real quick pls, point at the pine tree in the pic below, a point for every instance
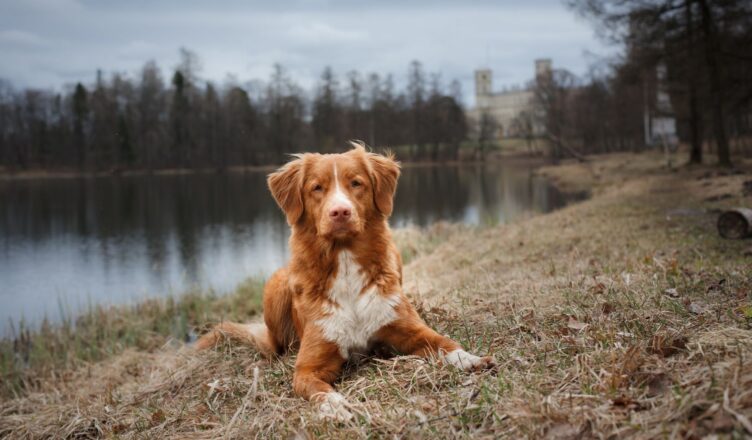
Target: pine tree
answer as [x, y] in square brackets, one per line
[80, 112]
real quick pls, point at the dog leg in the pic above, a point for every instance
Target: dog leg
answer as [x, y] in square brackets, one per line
[278, 310]
[317, 367]
[410, 335]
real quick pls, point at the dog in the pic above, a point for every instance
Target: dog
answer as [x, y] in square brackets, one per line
[341, 292]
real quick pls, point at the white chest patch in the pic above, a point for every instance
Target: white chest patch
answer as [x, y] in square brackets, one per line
[355, 314]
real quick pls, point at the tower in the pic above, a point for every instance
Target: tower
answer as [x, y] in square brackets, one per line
[482, 86]
[542, 67]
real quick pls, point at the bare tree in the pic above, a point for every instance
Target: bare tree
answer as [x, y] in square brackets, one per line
[416, 92]
[709, 34]
[552, 99]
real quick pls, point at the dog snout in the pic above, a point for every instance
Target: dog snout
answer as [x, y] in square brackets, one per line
[340, 213]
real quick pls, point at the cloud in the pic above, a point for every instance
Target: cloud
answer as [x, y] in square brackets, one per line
[17, 38]
[138, 50]
[322, 33]
[246, 38]
[43, 6]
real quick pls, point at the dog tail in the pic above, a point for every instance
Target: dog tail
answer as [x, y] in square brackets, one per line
[256, 335]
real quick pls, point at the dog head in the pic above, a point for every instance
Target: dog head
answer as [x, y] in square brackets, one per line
[336, 194]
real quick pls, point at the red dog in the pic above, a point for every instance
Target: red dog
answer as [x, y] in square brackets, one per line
[341, 292]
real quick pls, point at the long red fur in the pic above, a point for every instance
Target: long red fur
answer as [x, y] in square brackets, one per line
[294, 297]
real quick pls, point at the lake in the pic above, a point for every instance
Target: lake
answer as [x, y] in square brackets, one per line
[66, 244]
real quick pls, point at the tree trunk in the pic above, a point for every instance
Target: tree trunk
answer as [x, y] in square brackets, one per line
[695, 120]
[716, 87]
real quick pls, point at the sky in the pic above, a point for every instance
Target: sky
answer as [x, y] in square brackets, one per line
[54, 43]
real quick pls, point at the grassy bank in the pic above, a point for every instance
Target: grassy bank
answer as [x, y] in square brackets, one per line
[623, 315]
[28, 359]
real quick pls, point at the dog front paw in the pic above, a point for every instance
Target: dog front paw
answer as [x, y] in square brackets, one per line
[334, 407]
[468, 362]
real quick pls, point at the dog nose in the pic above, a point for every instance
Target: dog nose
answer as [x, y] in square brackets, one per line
[340, 213]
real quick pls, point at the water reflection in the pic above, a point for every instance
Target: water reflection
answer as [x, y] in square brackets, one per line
[75, 242]
[472, 194]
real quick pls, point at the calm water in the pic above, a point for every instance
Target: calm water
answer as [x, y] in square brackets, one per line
[69, 243]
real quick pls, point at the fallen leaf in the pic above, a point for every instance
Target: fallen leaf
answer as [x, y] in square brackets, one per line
[625, 402]
[672, 292]
[428, 406]
[632, 360]
[667, 344]
[576, 325]
[698, 308]
[157, 417]
[119, 428]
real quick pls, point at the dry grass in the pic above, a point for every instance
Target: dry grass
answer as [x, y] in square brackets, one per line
[31, 359]
[621, 316]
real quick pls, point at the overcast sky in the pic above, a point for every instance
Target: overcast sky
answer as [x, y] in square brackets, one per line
[50, 43]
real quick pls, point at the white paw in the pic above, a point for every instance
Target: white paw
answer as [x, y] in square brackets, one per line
[334, 407]
[465, 361]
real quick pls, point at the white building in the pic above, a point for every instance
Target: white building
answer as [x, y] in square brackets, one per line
[504, 106]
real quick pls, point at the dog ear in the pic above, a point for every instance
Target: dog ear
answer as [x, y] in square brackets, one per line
[384, 174]
[285, 185]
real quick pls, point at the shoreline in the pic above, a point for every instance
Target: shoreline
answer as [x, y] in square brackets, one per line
[41, 174]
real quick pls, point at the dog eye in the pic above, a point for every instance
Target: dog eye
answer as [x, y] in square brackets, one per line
[317, 188]
[355, 184]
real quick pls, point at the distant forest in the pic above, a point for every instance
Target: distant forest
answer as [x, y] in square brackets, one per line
[150, 123]
[684, 63]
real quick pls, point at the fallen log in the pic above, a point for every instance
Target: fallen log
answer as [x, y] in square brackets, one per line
[735, 223]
